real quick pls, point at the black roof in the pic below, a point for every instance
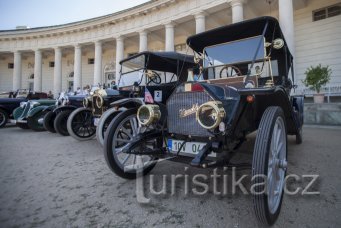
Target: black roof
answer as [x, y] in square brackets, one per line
[172, 62]
[243, 30]
[237, 31]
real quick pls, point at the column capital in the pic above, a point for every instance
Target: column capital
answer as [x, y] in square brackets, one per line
[77, 46]
[143, 32]
[237, 2]
[98, 42]
[200, 14]
[37, 50]
[119, 38]
[17, 51]
[57, 48]
[169, 24]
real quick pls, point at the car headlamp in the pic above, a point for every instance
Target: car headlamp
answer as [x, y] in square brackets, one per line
[210, 114]
[99, 101]
[148, 114]
[86, 102]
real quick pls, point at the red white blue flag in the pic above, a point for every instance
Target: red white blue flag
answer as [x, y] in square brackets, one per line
[148, 98]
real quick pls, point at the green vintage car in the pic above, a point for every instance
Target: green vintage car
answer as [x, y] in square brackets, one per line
[30, 114]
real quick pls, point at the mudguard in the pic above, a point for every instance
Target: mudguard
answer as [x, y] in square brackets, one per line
[64, 108]
[50, 108]
[35, 110]
[128, 103]
[298, 103]
[17, 112]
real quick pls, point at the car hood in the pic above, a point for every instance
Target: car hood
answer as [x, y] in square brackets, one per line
[11, 100]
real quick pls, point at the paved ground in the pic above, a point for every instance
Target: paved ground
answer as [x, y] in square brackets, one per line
[51, 181]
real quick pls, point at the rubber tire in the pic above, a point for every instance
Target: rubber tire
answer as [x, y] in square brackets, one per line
[5, 115]
[299, 136]
[106, 118]
[109, 158]
[60, 122]
[69, 123]
[260, 164]
[23, 126]
[32, 121]
[48, 121]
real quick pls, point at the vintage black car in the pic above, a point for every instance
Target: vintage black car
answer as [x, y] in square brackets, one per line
[56, 118]
[243, 86]
[11, 100]
[81, 123]
[156, 71]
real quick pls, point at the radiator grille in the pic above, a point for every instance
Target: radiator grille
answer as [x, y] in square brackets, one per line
[186, 103]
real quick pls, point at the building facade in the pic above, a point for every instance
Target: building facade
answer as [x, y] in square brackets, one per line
[83, 53]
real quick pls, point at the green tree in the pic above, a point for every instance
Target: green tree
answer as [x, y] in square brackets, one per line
[316, 77]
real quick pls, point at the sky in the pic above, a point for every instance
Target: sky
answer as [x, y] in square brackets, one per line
[38, 13]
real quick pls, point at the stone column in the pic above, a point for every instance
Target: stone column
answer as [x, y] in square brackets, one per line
[77, 78]
[17, 71]
[143, 40]
[237, 10]
[200, 24]
[169, 36]
[98, 63]
[286, 21]
[119, 56]
[37, 71]
[57, 78]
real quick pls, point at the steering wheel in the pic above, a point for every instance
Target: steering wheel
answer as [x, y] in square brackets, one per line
[234, 71]
[153, 76]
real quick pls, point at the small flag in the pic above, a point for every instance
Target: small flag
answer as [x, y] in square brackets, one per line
[148, 96]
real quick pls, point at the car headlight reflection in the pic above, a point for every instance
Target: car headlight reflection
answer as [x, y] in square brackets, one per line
[148, 114]
[22, 104]
[99, 101]
[85, 102]
[210, 114]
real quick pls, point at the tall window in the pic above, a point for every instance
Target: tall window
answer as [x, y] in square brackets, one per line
[327, 12]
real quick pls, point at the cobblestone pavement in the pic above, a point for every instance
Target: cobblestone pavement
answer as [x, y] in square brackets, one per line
[47, 180]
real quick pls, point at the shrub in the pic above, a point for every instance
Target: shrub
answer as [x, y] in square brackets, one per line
[316, 77]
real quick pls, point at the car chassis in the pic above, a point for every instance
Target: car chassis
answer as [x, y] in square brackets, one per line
[220, 112]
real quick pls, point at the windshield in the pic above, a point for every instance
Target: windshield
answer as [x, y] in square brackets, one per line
[234, 52]
[133, 64]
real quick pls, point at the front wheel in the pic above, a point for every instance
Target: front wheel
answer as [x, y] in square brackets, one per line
[80, 124]
[60, 123]
[269, 165]
[3, 118]
[35, 122]
[123, 129]
[48, 121]
[104, 122]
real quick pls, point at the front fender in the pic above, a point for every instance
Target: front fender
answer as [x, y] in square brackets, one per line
[35, 110]
[64, 108]
[128, 103]
[17, 113]
[50, 108]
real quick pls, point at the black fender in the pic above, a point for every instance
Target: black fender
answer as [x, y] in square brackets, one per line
[298, 104]
[128, 103]
[5, 109]
[64, 108]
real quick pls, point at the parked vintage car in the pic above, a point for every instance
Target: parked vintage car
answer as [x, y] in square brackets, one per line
[243, 86]
[56, 117]
[156, 71]
[81, 122]
[11, 100]
[30, 114]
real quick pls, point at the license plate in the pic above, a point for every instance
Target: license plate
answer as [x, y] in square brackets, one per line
[189, 147]
[96, 121]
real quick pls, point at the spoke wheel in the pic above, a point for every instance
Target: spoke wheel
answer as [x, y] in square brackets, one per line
[60, 122]
[269, 165]
[80, 124]
[121, 132]
[48, 121]
[3, 118]
[104, 123]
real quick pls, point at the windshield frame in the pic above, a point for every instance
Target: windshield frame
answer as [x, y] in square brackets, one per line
[206, 57]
